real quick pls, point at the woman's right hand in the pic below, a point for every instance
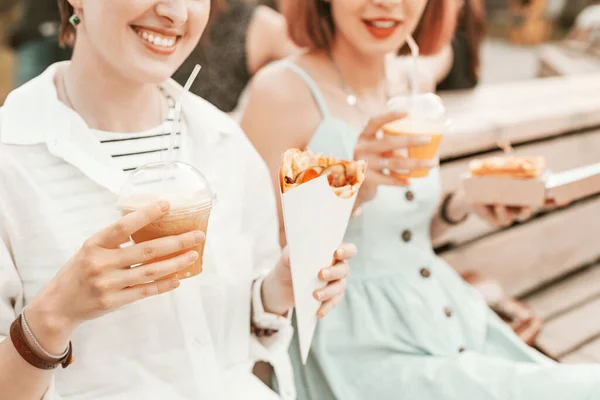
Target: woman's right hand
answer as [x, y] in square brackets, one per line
[99, 278]
[380, 152]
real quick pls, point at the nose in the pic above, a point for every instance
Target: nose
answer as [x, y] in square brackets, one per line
[175, 11]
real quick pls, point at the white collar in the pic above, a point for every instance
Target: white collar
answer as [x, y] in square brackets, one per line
[32, 114]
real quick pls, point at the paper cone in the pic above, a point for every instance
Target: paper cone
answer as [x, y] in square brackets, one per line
[315, 223]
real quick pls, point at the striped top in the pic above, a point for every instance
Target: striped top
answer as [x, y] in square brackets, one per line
[131, 150]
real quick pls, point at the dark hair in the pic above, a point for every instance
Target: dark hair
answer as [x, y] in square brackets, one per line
[66, 35]
[472, 22]
[311, 25]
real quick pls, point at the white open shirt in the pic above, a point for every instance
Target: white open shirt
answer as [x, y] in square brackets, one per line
[58, 186]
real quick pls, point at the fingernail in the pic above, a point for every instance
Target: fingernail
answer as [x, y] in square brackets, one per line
[164, 205]
[340, 253]
[325, 273]
[318, 295]
[199, 237]
[424, 139]
[174, 284]
[193, 256]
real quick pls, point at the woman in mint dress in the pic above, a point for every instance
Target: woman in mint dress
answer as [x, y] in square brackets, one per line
[409, 327]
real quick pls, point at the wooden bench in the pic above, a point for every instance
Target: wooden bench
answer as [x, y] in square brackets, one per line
[551, 262]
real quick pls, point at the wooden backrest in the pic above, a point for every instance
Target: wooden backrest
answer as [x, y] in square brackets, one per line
[558, 118]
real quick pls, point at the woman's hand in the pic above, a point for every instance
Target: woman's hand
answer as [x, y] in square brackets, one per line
[502, 215]
[381, 153]
[99, 279]
[278, 292]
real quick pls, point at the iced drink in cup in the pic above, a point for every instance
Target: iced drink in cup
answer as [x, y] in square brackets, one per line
[426, 116]
[191, 200]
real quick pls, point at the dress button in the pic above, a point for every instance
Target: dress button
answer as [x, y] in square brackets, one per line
[406, 235]
[410, 196]
[425, 273]
[448, 312]
[461, 350]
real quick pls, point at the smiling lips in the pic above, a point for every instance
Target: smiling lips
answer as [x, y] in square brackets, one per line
[381, 28]
[157, 42]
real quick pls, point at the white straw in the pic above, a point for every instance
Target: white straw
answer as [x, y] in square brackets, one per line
[175, 124]
[414, 79]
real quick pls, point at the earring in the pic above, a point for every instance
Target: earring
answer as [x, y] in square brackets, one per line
[75, 20]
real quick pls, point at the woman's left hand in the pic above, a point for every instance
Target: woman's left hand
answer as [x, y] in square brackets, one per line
[278, 292]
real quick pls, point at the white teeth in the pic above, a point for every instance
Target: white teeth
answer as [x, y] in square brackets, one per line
[383, 24]
[156, 39]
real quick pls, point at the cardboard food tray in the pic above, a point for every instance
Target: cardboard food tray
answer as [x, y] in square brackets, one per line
[562, 187]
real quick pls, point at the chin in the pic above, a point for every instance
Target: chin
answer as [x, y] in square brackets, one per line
[152, 72]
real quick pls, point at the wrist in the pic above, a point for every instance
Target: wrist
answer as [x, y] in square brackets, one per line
[273, 295]
[51, 328]
[455, 208]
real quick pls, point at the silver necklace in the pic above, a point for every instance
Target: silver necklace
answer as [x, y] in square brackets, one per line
[351, 98]
[63, 82]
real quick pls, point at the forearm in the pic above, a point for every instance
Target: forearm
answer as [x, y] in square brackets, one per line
[18, 379]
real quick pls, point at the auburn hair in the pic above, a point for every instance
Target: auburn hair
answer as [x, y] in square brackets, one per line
[311, 25]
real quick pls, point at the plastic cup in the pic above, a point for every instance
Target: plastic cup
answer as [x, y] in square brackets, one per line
[191, 200]
[426, 117]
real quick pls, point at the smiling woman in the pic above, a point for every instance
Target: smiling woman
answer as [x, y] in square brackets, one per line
[67, 282]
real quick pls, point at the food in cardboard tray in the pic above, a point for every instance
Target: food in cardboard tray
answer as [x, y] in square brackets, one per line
[509, 167]
[298, 167]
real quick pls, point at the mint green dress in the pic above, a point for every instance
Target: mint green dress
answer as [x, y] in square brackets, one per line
[409, 327]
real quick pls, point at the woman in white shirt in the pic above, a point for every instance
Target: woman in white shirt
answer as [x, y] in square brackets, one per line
[66, 144]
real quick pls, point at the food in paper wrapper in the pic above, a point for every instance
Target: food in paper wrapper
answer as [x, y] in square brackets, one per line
[298, 167]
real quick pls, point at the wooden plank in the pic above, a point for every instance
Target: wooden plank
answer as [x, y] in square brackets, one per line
[520, 111]
[589, 353]
[577, 358]
[564, 61]
[526, 256]
[566, 333]
[568, 294]
[561, 154]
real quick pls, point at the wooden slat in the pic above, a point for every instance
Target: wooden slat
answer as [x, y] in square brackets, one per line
[566, 295]
[590, 353]
[578, 358]
[560, 153]
[562, 335]
[520, 111]
[564, 61]
[524, 257]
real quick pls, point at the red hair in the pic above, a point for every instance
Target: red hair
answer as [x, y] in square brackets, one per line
[311, 25]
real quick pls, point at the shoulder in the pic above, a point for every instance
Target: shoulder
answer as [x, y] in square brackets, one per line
[267, 38]
[279, 86]
[269, 20]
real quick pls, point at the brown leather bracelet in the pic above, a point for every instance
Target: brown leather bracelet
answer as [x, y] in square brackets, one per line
[444, 211]
[17, 335]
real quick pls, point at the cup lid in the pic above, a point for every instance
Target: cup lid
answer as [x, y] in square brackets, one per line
[422, 107]
[183, 185]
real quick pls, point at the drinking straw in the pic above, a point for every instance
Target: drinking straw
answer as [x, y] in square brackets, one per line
[414, 81]
[175, 124]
